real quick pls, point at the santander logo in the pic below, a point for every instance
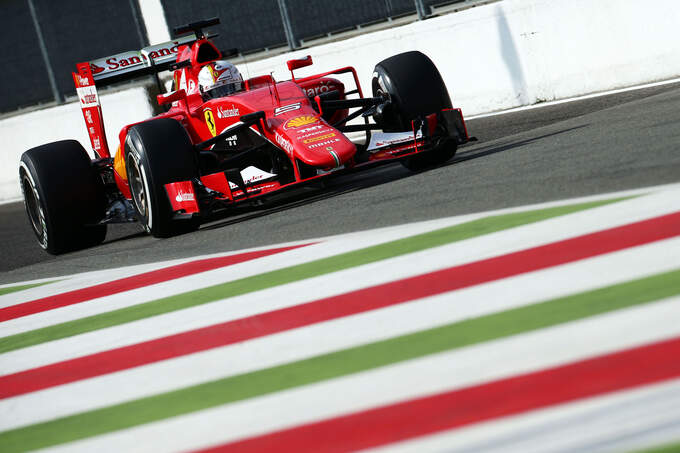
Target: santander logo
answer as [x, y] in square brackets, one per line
[123, 61]
[96, 69]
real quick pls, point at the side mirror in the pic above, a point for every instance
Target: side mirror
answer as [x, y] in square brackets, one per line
[299, 63]
[171, 97]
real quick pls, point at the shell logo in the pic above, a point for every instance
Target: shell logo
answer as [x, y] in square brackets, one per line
[300, 121]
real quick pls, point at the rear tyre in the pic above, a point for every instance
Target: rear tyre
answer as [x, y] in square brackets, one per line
[159, 152]
[415, 89]
[63, 195]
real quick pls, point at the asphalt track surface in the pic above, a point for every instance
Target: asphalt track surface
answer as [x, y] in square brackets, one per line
[598, 145]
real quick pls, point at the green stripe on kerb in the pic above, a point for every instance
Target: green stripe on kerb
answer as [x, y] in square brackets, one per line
[667, 448]
[14, 289]
[290, 274]
[341, 363]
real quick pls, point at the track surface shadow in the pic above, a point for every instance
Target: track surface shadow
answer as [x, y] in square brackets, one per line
[487, 151]
[311, 194]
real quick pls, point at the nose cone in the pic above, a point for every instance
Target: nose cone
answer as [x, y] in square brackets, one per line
[320, 145]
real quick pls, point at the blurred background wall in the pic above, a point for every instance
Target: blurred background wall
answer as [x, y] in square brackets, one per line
[43, 39]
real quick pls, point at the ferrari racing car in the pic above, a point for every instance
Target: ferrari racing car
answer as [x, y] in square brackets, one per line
[225, 141]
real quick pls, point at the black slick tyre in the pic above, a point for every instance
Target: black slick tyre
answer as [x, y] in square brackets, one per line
[415, 88]
[63, 195]
[159, 152]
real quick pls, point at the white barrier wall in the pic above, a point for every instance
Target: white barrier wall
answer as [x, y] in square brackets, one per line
[492, 57]
[519, 52]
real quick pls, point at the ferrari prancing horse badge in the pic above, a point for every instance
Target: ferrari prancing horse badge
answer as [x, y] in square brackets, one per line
[210, 121]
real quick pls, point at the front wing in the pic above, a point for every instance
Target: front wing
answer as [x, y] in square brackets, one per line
[221, 190]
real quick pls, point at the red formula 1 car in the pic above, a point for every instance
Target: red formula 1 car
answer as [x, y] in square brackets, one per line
[209, 154]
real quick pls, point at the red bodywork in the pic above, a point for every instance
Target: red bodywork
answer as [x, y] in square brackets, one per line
[294, 122]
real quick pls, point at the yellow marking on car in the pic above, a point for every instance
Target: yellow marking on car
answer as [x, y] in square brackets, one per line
[321, 137]
[300, 121]
[210, 121]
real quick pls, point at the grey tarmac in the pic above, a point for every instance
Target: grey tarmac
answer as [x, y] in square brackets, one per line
[598, 145]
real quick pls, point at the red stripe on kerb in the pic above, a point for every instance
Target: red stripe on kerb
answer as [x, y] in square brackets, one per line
[133, 282]
[422, 416]
[342, 305]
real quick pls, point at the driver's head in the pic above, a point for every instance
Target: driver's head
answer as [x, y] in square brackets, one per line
[219, 78]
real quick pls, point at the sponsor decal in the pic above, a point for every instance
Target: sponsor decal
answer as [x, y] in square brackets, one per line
[232, 141]
[228, 113]
[324, 144]
[82, 81]
[210, 121]
[88, 96]
[114, 63]
[184, 197]
[96, 69]
[253, 179]
[380, 143]
[285, 144]
[300, 121]
[322, 130]
[163, 51]
[324, 87]
[321, 137]
[159, 53]
[88, 117]
[287, 108]
[135, 58]
[310, 129]
[253, 174]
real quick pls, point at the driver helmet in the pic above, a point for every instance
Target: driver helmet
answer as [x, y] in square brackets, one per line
[219, 78]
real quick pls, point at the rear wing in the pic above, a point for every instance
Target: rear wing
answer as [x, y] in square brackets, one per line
[117, 68]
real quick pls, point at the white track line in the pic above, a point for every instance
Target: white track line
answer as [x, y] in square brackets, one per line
[490, 245]
[412, 379]
[575, 99]
[299, 344]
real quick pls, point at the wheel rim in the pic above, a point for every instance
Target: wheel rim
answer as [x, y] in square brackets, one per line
[33, 207]
[139, 195]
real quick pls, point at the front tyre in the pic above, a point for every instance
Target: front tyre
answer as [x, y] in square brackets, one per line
[415, 89]
[63, 195]
[159, 152]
